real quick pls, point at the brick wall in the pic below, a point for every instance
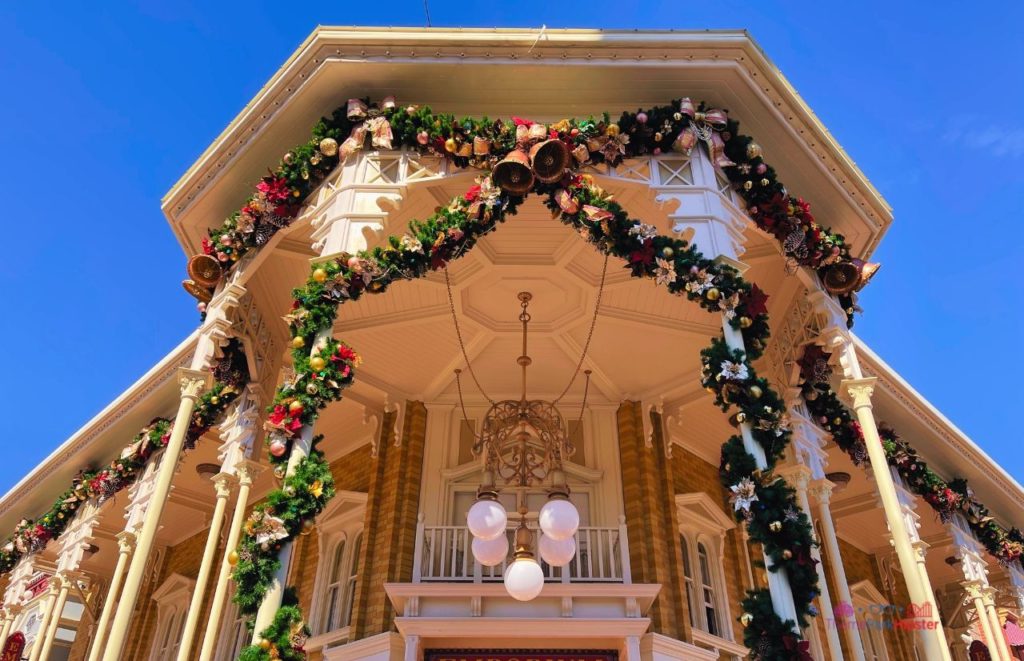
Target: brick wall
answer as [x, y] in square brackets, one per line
[649, 497]
[390, 527]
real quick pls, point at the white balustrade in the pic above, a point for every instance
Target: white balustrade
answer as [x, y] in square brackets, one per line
[443, 554]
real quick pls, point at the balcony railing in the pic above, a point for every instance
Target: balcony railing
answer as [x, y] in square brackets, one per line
[443, 554]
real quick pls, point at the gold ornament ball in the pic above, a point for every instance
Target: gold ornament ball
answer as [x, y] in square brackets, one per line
[215, 400]
[288, 158]
[658, 137]
[787, 554]
[746, 619]
[317, 363]
[298, 342]
[279, 472]
[667, 252]
[677, 116]
[264, 644]
[741, 417]
[320, 275]
[233, 558]
[450, 145]
[713, 294]
[756, 392]
[775, 526]
[745, 322]
[328, 146]
[294, 406]
[612, 130]
[747, 185]
[765, 182]
[307, 526]
[753, 150]
[837, 421]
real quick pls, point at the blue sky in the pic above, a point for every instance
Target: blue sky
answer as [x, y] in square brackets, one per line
[105, 104]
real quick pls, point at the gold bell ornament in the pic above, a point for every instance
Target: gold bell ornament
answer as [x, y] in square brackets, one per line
[481, 146]
[846, 277]
[550, 159]
[200, 293]
[204, 270]
[513, 173]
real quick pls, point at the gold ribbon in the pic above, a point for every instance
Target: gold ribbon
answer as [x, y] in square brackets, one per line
[705, 127]
[374, 122]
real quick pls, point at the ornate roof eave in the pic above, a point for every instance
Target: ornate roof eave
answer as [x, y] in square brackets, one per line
[229, 167]
[98, 441]
[946, 448]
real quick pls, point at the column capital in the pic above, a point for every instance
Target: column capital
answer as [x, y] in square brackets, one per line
[193, 382]
[821, 490]
[798, 475]
[988, 595]
[247, 470]
[126, 541]
[974, 589]
[859, 391]
[222, 483]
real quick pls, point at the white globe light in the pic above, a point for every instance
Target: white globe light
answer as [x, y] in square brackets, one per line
[487, 519]
[524, 579]
[559, 519]
[556, 552]
[490, 552]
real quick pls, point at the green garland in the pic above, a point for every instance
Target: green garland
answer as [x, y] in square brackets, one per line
[99, 485]
[483, 142]
[448, 234]
[946, 498]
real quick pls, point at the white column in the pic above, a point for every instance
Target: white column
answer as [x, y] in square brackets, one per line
[52, 596]
[222, 486]
[703, 218]
[238, 432]
[246, 471]
[859, 391]
[822, 491]
[10, 615]
[46, 644]
[988, 599]
[799, 478]
[125, 546]
[971, 554]
[192, 384]
[1016, 574]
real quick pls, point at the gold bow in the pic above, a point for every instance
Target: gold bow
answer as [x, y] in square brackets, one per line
[704, 126]
[374, 122]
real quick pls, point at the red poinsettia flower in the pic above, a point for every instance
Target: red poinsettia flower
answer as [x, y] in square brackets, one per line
[343, 353]
[472, 194]
[756, 302]
[207, 247]
[519, 121]
[275, 189]
[799, 648]
[277, 416]
[644, 255]
[293, 425]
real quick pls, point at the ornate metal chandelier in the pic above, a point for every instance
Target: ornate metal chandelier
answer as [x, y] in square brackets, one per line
[522, 444]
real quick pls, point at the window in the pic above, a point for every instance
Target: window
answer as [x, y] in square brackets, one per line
[707, 590]
[702, 529]
[172, 600]
[340, 542]
[234, 634]
[869, 605]
[336, 587]
[691, 607]
[353, 576]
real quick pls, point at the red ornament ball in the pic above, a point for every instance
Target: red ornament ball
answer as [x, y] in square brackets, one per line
[278, 447]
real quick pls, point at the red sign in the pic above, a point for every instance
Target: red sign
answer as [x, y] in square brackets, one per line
[13, 648]
[518, 655]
